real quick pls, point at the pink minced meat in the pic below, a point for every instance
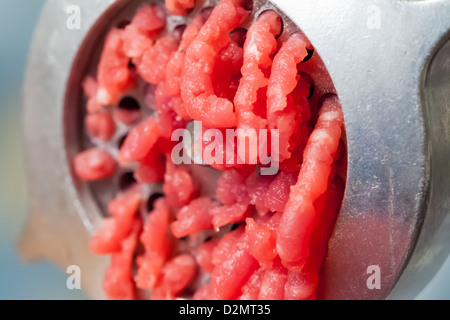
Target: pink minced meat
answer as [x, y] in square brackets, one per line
[254, 236]
[196, 86]
[299, 216]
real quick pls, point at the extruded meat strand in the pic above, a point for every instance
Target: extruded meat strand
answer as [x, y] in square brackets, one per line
[278, 192]
[220, 152]
[151, 169]
[204, 255]
[196, 83]
[171, 86]
[139, 141]
[250, 290]
[259, 47]
[262, 243]
[329, 210]
[135, 42]
[299, 218]
[233, 271]
[156, 242]
[257, 187]
[140, 34]
[231, 188]
[176, 62]
[283, 78]
[178, 185]
[227, 71]
[273, 283]
[118, 283]
[150, 19]
[176, 275]
[114, 76]
[155, 230]
[282, 82]
[261, 237]
[298, 103]
[226, 214]
[152, 66]
[117, 227]
[222, 249]
[193, 218]
[301, 285]
[232, 192]
[167, 108]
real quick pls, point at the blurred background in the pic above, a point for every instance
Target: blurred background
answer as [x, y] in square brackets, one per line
[43, 280]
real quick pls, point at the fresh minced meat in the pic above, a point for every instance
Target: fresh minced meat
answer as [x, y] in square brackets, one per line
[217, 72]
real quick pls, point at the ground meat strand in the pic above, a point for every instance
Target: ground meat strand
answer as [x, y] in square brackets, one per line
[301, 285]
[156, 243]
[140, 141]
[259, 47]
[193, 218]
[196, 85]
[152, 66]
[283, 80]
[250, 290]
[178, 185]
[176, 275]
[113, 75]
[139, 35]
[273, 283]
[204, 255]
[118, 226]
[299, 218]
[118, 283]
[262, 240]
[175, 66]
[225, 278]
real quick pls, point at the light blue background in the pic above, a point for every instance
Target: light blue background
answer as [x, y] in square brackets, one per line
[43, 280]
